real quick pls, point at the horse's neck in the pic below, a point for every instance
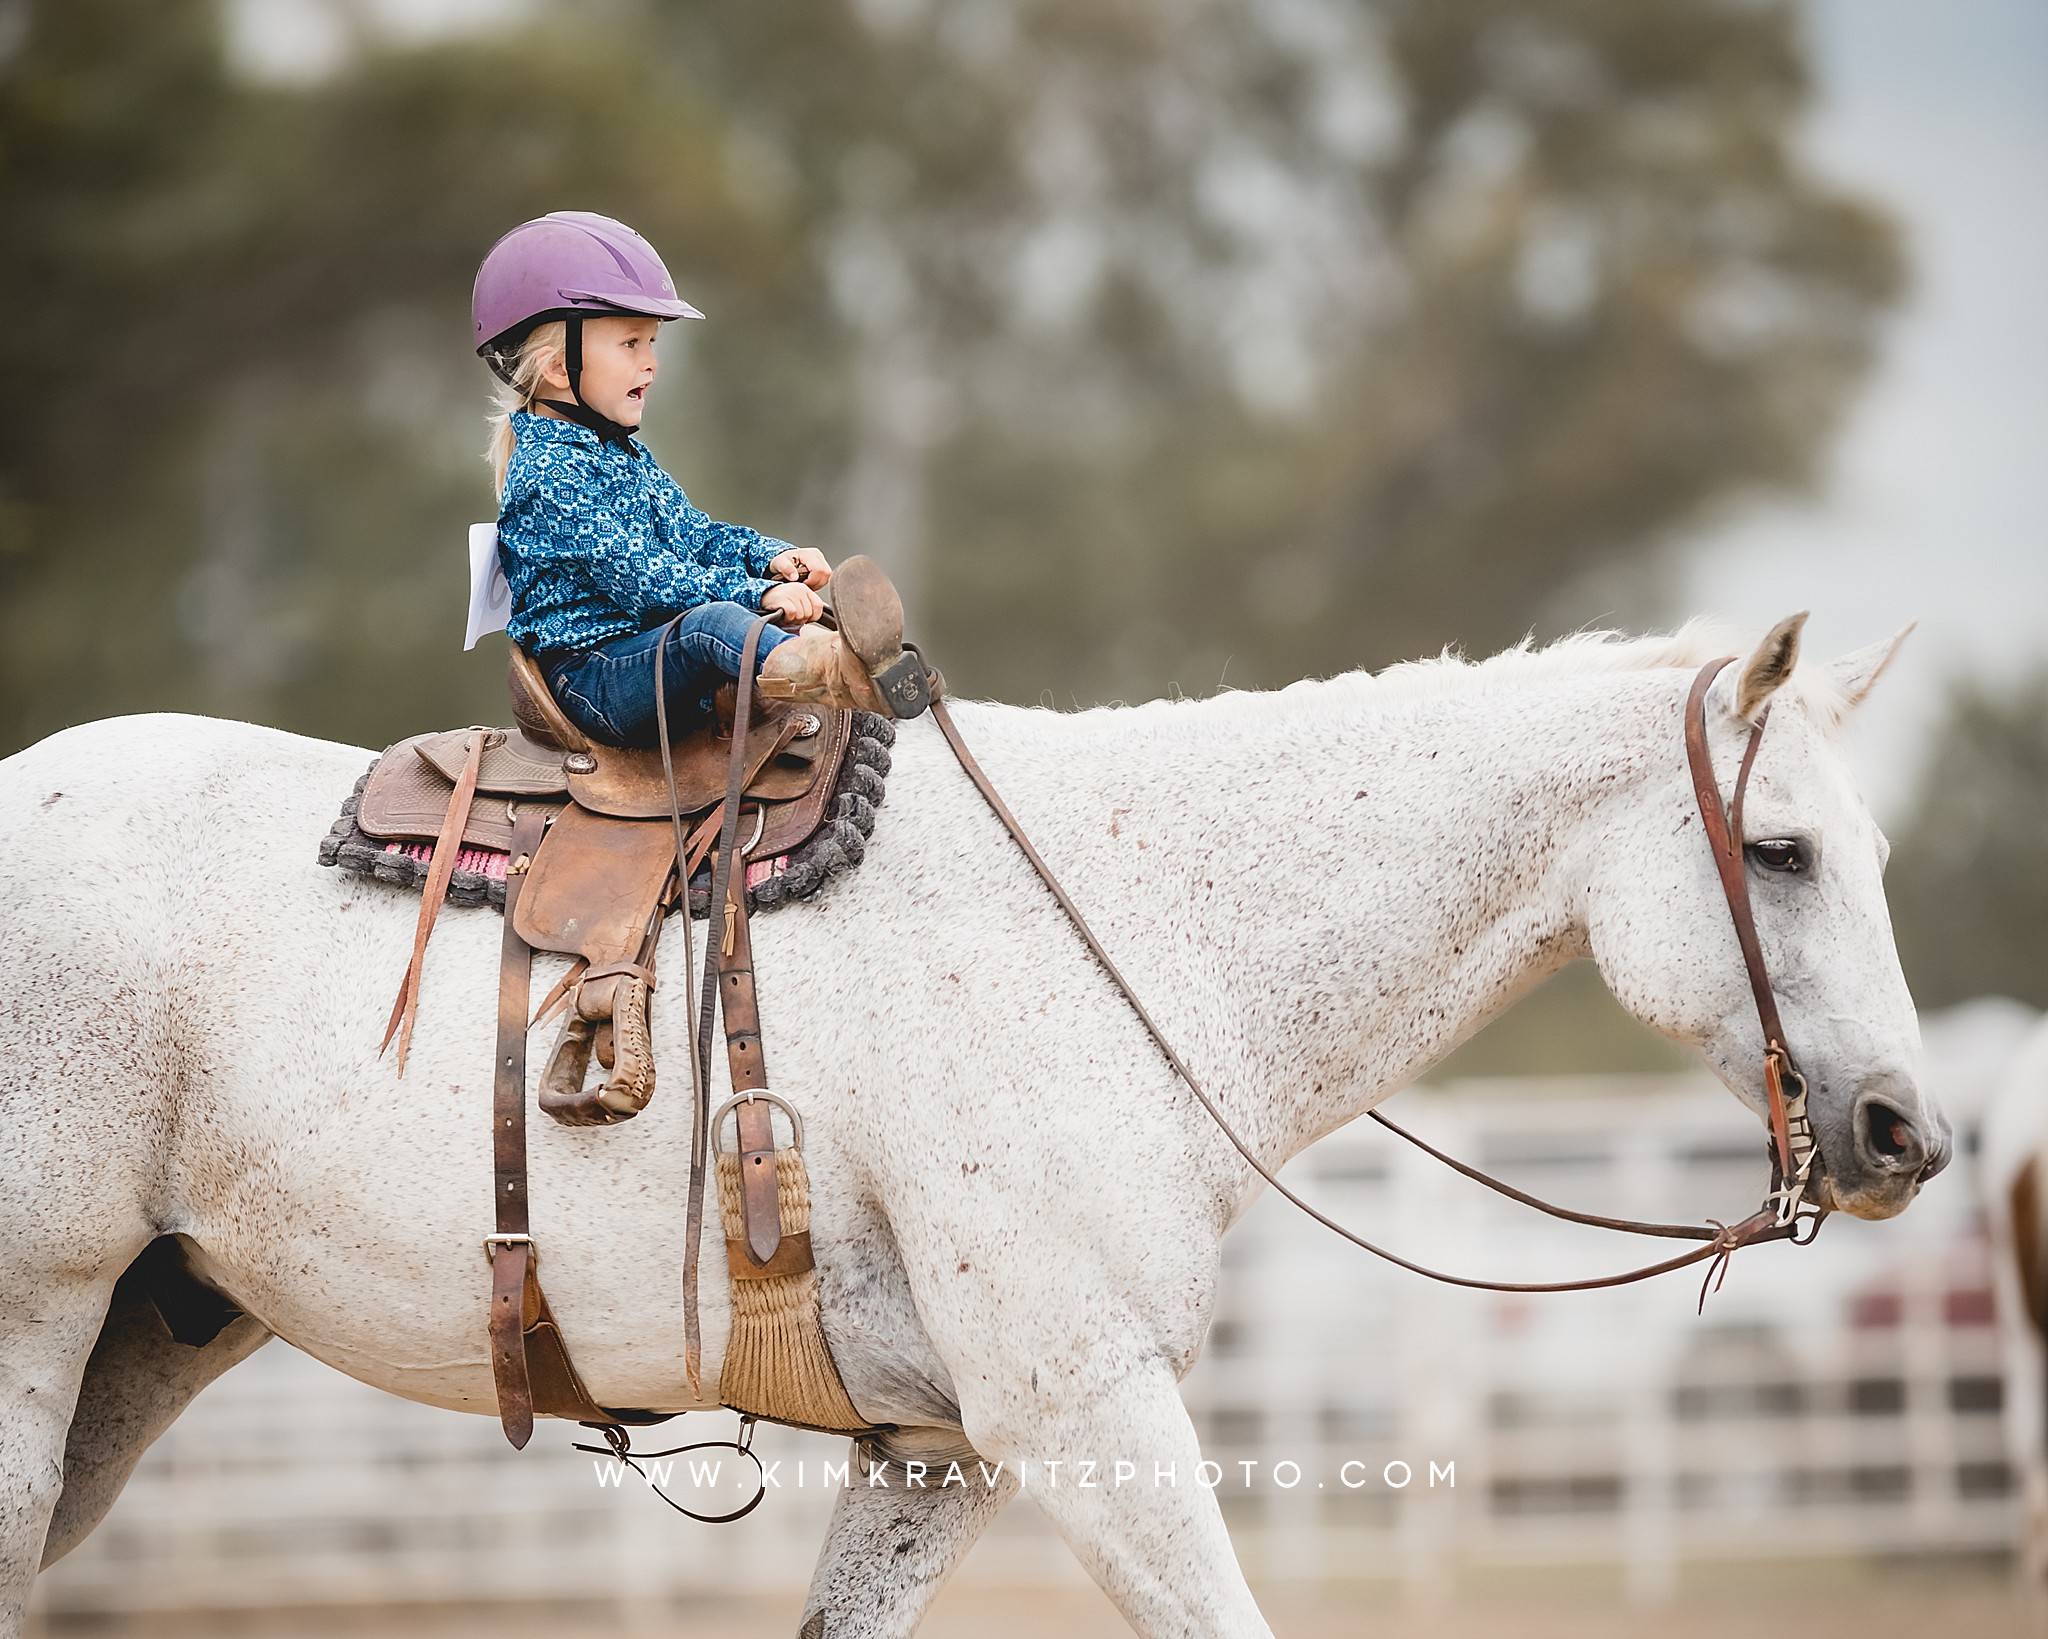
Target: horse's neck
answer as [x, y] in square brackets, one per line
[1325, 900]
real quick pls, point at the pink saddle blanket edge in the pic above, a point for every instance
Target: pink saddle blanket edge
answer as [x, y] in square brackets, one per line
[490, 862]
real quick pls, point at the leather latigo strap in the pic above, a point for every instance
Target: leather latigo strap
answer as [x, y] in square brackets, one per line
[1720, 1240]
[792, 1257]
[760, 1205]
[511, 1248]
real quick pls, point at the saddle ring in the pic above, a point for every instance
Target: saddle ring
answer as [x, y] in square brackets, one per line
[747, 1096]
[760, 825]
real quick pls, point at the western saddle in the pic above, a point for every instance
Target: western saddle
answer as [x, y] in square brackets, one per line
[591, 836]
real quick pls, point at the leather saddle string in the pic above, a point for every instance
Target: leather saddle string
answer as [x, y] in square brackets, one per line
[1724, 1239]
[1724, 837]
[447, 849]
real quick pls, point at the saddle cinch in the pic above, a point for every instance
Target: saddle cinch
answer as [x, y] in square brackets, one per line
[578, 841]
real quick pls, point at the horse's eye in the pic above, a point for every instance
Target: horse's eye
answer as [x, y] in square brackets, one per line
[1778, 854]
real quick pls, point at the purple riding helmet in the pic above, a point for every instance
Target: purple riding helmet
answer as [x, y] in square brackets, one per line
[567, 265]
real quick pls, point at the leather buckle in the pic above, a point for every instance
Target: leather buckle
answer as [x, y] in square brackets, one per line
[491, 1242]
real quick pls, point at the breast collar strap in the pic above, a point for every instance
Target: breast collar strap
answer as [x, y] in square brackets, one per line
[1794, 1148]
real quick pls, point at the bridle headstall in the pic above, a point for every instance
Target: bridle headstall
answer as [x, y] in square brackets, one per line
[1784, 1216]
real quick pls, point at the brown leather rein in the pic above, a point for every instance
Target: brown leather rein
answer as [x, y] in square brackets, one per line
[1793, 1150]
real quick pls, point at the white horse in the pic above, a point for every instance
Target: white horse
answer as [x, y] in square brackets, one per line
[1018, 1210]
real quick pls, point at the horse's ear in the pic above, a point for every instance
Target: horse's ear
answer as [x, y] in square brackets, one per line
[1765, 671]
[1857, 672]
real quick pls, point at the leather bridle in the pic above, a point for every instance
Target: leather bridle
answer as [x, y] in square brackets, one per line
[1794, 1151]
[1794, 1148]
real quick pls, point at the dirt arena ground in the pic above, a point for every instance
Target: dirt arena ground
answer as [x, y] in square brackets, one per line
[1825, 1601]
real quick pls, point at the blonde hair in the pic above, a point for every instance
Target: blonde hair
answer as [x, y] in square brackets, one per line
[545, 348]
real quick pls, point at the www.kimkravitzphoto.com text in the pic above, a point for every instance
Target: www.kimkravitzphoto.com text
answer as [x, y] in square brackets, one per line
[1048, 1474]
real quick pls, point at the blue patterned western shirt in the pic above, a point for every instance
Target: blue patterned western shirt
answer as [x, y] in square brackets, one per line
[597, 541]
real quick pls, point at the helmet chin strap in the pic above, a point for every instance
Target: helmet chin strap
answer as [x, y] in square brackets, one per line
[579, 412]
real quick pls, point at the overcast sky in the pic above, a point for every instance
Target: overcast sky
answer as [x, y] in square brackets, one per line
[1939, 108]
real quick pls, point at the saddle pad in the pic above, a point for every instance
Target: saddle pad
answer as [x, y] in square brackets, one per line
[803, 845]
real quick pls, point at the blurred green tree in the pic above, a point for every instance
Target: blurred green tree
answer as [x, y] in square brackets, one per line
[248, 431]
[1137, 336]
[1310, 334]
[1968, 880]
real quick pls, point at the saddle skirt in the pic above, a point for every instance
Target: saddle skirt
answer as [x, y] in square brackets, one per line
[818, 778]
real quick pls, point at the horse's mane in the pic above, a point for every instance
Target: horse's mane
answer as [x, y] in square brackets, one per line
[1582, 654]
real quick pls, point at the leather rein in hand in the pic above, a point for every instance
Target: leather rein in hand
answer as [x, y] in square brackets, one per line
[1793, 1150]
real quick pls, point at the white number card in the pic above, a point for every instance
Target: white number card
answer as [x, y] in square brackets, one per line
[490, 599]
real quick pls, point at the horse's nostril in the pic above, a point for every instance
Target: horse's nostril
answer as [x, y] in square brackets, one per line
[1889, 1133]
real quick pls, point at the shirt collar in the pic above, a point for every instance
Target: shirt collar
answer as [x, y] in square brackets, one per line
[525, 424]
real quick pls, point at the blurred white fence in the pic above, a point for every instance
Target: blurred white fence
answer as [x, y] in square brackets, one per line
[1842, 1397]
[1839, 1397]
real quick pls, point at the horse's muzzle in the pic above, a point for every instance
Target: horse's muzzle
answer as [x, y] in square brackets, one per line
[1888, 1147]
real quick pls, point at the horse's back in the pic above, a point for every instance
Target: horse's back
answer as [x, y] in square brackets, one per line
[121, 844]
[166, 771]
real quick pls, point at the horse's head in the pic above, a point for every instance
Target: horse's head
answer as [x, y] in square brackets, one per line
[1662, 932]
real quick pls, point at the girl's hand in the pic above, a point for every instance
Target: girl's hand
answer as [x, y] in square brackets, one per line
[802, 564]
[793, 604]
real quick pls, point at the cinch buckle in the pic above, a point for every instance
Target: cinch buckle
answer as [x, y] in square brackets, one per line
[491, 1241]
[747, 1096]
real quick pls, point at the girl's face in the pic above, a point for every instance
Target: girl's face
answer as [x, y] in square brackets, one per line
[618, 367]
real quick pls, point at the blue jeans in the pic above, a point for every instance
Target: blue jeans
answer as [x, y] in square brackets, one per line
[608, 692]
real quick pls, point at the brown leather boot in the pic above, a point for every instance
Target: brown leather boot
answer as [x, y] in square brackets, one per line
[815, 669]
[870, 616]
[864, 664]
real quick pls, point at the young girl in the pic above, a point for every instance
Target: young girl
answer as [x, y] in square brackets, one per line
[601, 548]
